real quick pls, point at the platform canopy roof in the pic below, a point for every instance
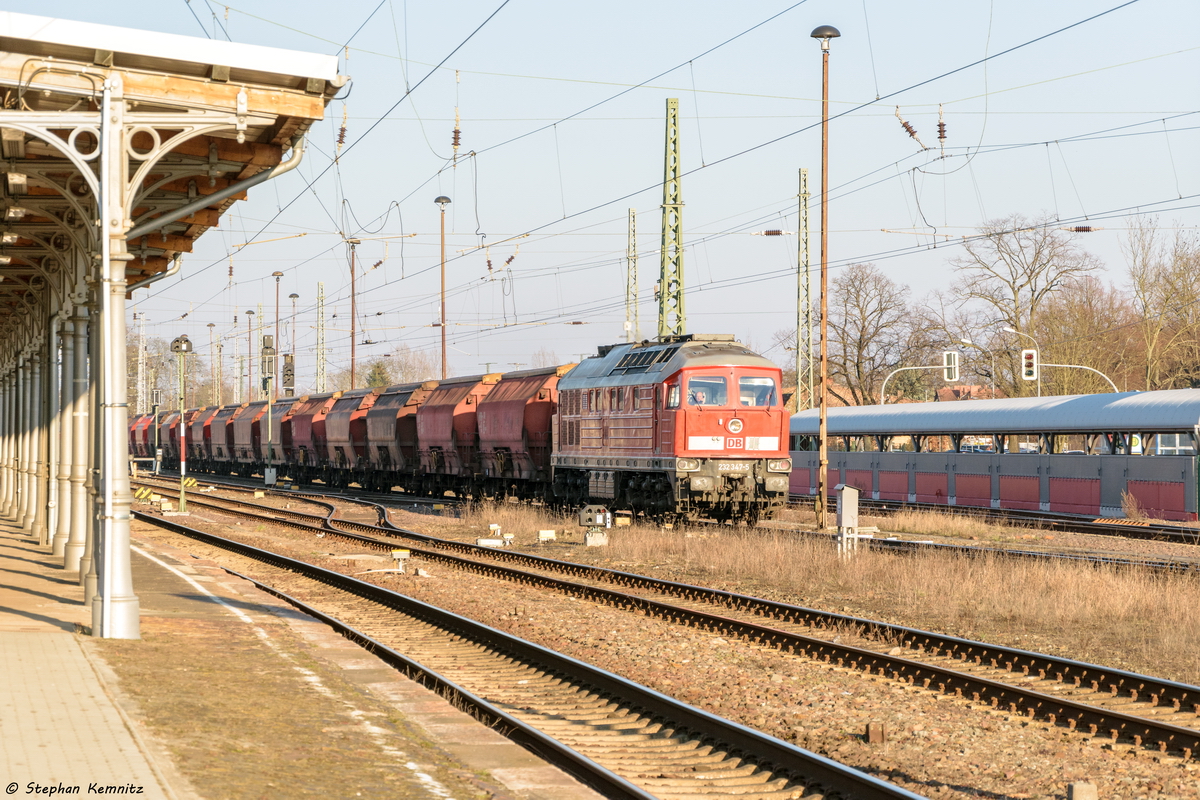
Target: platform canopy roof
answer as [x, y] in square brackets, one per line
[1170, 411]
[51, 75]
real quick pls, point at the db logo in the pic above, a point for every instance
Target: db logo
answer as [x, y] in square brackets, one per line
[735, 444]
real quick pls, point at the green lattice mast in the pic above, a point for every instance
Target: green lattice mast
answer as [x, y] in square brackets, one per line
[672, 320]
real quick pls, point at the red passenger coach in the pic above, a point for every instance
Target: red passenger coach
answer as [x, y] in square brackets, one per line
[692, 426]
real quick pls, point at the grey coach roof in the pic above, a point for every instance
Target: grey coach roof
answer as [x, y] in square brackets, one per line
[1141, 412]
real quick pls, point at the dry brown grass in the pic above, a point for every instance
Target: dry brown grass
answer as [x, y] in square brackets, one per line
[1124, 618]
[1132, 508]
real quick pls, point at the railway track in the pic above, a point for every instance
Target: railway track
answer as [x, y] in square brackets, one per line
[1158, 565]
[1129, 529]
[1123, 706]
[234, 482]
[623, 739]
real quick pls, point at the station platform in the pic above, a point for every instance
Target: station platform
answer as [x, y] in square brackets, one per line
[229, 693]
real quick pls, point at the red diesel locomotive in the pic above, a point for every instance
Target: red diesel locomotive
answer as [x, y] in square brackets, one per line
[693, 426]
[690, 427]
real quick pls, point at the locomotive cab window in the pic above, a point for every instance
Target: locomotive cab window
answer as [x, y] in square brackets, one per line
[672, 398]
[707, 390]
[756, 391]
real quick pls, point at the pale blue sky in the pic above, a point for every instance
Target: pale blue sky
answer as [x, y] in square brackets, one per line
[1069, 126]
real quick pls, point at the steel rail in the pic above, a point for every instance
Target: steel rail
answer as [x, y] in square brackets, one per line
[1127, 529]
[1164, 566]
[970, 551]
[1017, 699]
[795, 763]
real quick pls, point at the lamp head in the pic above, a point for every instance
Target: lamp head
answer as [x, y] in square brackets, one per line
[293, 296]
[277, 275]
[825, 33]
[1009, 330]
[967, 342]
[442, 201]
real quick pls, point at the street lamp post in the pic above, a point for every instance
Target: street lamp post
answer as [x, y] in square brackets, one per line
[268, 372]
[1037, 346]
[293, 297]
[442, 202]
[824, 33]
[991, 355]
[213, 397]
[275, 365]
[181, 346]
[354, 243]
[249, 356]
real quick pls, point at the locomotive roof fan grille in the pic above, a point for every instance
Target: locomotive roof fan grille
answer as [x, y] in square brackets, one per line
[637, 361]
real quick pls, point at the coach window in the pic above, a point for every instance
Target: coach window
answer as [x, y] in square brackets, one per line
[756, 391]
[707, 390]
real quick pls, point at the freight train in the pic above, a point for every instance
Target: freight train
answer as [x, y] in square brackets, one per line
[1101, 455]
[688, 427]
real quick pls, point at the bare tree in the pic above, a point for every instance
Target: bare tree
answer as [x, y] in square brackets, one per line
[872, 331]
[402, 365]
[544, 357]
[1089, 324]
[1165, 278]
[867, 331]
[1016, 264]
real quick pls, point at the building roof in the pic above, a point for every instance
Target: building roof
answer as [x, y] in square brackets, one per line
[1174, 410]
[162, 52]
[51, 75]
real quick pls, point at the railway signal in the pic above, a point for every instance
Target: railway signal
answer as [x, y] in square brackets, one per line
[950, 366]
[289, 374]
[1029, 365]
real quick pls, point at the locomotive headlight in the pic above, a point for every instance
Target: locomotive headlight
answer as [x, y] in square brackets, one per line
[734, 425]
[687, 464]
[780, 465]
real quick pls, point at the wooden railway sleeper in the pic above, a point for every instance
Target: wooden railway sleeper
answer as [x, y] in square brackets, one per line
[1113, 688]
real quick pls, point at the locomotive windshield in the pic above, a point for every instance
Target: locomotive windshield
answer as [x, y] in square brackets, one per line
[756, 391]
[707, 390]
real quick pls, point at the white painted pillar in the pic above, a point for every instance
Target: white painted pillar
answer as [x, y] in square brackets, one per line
[79, 543]
[24, 518]
[63, 435]
[115, 608]
[7, 397]
[41, 452]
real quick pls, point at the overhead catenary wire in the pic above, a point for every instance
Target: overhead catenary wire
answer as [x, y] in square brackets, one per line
[372, 127]
[996, 54]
